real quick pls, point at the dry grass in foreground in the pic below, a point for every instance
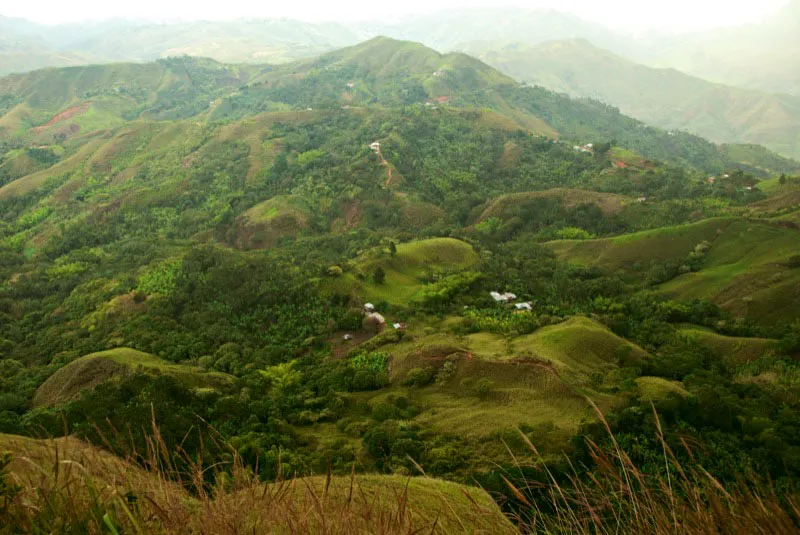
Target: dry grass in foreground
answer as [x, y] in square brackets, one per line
[619, 498]
[67, 486]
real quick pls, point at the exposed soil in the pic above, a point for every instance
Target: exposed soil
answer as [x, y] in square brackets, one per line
[62, 116]
[340, 347]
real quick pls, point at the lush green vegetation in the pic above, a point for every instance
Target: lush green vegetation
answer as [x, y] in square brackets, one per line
[209, 270]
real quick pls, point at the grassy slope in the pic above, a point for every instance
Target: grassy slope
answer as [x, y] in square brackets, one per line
[403, 270]
[360, 504]
[454, 508]
[609, 203]
[731, 349]
[639, 248]
[744, 271]
[538, 378]
[657, 388]
[92, 370]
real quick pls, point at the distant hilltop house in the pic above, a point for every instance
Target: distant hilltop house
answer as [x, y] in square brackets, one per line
[439, 73]
[588, 148]
[376, 147]
[350, 85]
[503, 297]
[523, 306]
[369, 308]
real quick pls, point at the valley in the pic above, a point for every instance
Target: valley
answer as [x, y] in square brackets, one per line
[221, 304]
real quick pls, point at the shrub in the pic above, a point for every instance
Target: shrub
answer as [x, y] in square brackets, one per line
[794, 261]
[420, 377]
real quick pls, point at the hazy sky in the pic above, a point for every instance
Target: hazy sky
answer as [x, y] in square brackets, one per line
[630, 14]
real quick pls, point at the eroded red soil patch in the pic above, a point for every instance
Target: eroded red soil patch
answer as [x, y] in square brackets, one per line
[62, 116]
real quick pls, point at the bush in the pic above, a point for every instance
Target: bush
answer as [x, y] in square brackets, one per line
[420, 377]
[794, 261]
[379, 276]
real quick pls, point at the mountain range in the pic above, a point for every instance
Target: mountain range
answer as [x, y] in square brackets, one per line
[666, 97]
[386, 264]
[733, 85]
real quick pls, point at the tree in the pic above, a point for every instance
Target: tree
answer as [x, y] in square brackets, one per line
[379, 276]
[782, 179]
[392, 248]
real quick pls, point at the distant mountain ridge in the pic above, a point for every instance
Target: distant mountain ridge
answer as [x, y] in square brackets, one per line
[70, 105]
[666, 98]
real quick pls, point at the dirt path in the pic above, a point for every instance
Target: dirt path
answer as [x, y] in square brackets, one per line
[388, 169]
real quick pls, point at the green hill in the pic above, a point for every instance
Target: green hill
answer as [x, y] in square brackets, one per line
[662, 97]
[609, 203]
[92, 370]
[735, 351]
[407, 271]
[535, 379]
[744, 271]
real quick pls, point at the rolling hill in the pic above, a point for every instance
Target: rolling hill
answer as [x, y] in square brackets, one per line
[231, 221]
[662, 97]
[744, 271]
[50, 106]
[92, 370]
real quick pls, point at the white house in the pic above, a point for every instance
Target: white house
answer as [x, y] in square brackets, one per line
[523, 306]
[502, 297]
[375, 147]
[498, 297]
[369, 308]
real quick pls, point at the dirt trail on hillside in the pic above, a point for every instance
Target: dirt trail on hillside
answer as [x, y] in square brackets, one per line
[388, 167]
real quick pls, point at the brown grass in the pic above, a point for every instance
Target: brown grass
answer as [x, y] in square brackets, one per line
[67, 486]
[619, 497]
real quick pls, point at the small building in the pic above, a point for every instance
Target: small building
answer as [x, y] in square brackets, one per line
[641, 199]
[376, 147]
[347, 337]
[524, 306]
[369, 308]
[374, 322]
[350, 85]
[399, 326]
[498, 297]
[503, 297]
